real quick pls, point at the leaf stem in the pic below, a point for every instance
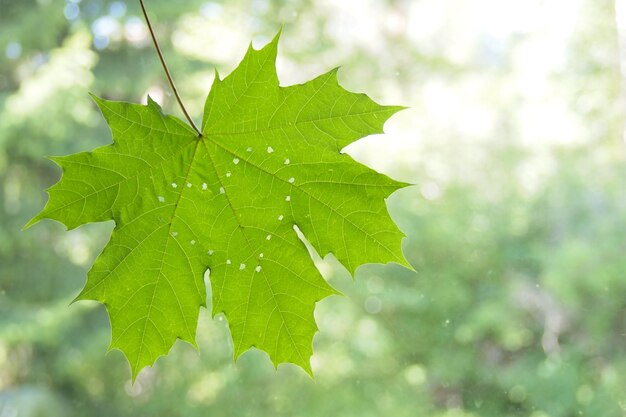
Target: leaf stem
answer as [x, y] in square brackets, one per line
[167, 71]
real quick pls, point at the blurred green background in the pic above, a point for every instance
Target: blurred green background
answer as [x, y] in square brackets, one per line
[516, 227]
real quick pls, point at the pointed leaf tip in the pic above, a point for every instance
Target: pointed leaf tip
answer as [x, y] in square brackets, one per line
[36, 219]
[153, 103]
[276, 37]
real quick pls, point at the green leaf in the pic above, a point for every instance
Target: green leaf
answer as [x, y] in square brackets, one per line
[268, 163]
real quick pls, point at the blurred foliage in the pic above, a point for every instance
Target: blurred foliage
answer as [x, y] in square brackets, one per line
[515, 227]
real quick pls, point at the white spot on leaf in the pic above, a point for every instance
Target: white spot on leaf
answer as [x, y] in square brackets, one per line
[288, 198]
[287, 161]
[228, 174]
[174, 185]
[268, 237]
[235, 161]
[210, 252]
[281, 217]
[292, 180]
[242, 267]
[249, 149]
[261, 255]
[193, 242]
[174, 234]
[204, 186]
[222, 190]
[161, 198]
[270, 149]
[188, 185]
[258, 268]
[228, 262]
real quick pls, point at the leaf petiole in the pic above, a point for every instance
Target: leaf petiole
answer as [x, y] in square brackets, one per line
[167, 71]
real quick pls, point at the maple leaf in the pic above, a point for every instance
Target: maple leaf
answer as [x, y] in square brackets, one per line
[229, 201]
